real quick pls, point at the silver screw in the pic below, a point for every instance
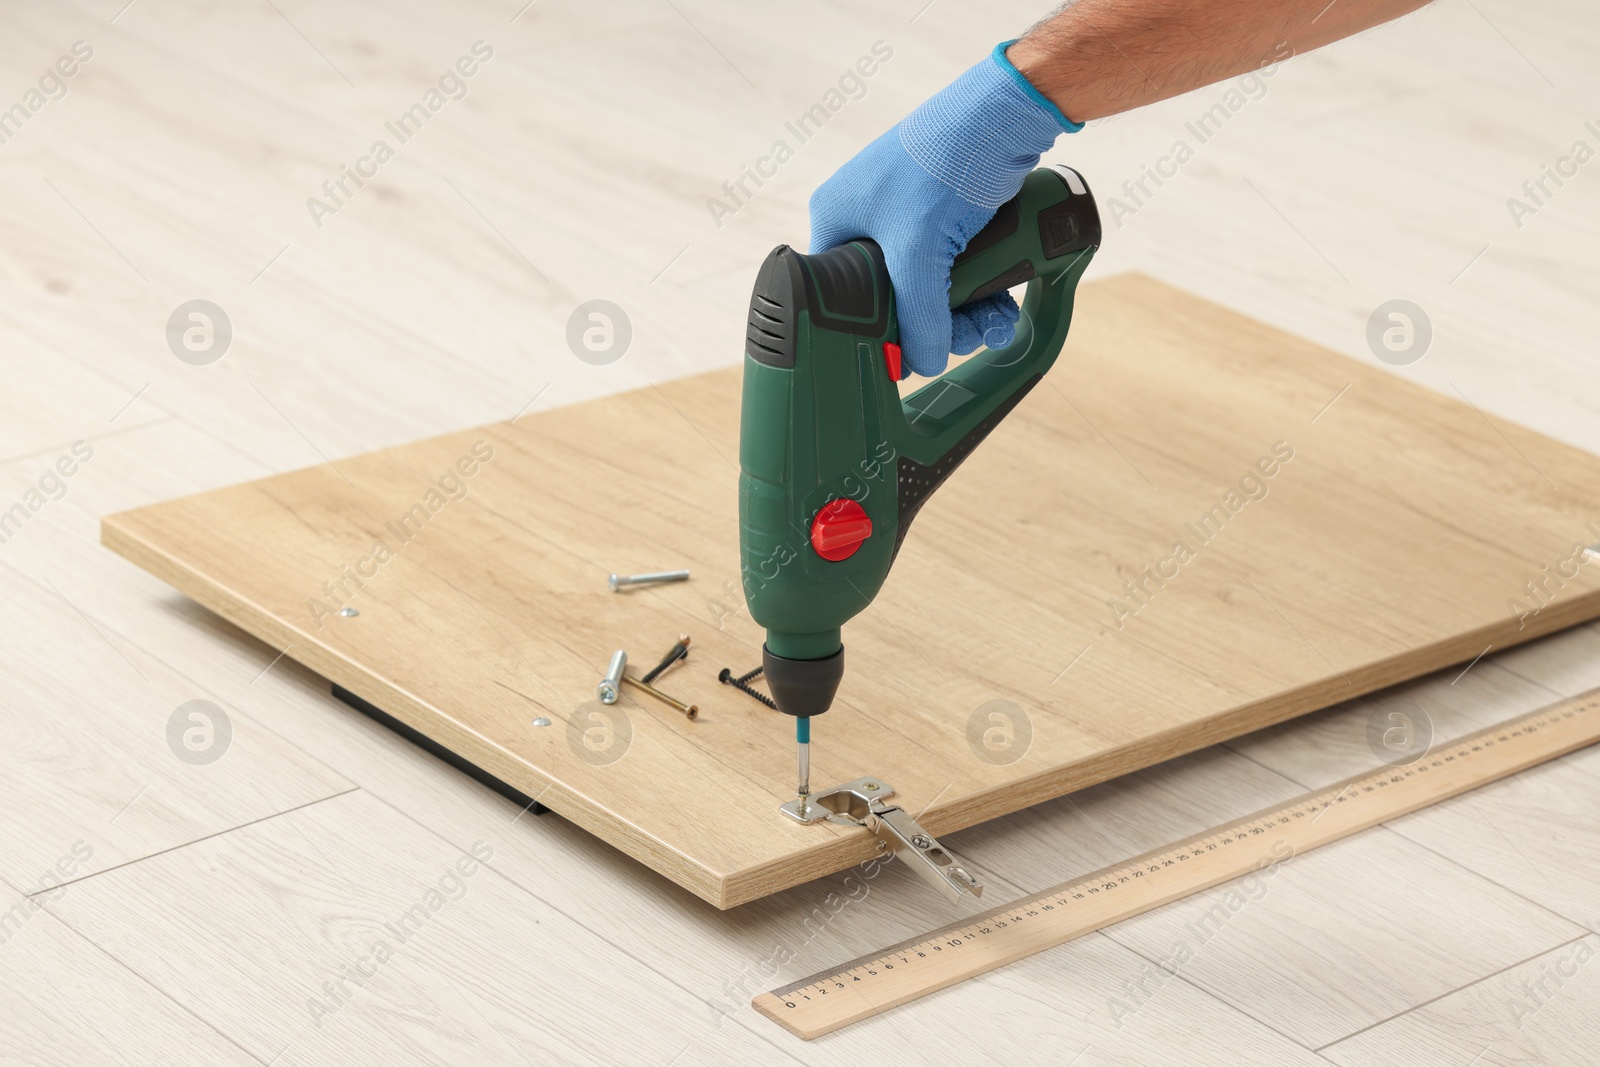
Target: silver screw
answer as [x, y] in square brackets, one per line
[541, 721]
[617, 581]
[349, 613]
[921, 841]
[607, 689]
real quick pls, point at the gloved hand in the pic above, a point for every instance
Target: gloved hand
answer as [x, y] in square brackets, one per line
[925, 187]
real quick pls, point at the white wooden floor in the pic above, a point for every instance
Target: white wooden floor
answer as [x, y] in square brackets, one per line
[153, 910]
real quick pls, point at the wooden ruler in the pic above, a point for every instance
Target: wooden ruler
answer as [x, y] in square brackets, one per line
[866, 986]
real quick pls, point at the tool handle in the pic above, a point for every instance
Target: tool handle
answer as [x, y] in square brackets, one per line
[1044, 236]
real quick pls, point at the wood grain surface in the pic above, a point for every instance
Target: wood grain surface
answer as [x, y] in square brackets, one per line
[1323, 529]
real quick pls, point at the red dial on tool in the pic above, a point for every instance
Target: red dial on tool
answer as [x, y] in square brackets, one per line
[839, 529]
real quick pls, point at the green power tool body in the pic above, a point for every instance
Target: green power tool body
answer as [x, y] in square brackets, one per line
[834, 463]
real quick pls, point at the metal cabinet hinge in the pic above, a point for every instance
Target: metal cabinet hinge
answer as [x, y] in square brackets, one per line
[863, 802]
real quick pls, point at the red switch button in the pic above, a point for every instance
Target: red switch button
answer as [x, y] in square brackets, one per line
[891, 359]
[839, 529]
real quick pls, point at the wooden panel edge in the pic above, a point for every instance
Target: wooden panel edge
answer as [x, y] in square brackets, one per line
[709, 885]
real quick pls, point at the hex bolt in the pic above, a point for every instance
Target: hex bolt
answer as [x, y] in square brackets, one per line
[617, 581]
[607, 689]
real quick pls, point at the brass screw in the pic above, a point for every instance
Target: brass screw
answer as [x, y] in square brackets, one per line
[690, 711]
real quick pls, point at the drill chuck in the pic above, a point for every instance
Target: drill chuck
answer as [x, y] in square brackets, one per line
[802, 687]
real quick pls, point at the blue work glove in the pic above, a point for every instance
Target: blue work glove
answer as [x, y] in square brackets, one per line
[924, 188]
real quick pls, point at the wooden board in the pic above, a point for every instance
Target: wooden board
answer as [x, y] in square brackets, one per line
[1390, 539]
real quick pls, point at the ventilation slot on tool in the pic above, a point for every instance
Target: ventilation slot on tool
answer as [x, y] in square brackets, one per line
[769, 331]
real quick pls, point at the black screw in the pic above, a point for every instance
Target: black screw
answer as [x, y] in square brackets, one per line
[678, 651]
[741, 683]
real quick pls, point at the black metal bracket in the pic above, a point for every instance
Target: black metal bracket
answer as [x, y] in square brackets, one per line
[435, 749]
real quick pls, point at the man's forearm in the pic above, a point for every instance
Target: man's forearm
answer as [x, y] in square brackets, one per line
[1101, 57]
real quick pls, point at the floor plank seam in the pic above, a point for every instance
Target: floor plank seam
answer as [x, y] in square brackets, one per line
[91, 438]
[1453, 992]
[1203, 991]
[1448, 859]
[257, 722]
[268, 468]
[1479, 874]
[186, 1009]
[425, 353]
[6, 882]
[761, 1034]
[194, 841]
[1461, 866]
[73, 358]
[1271, 770]
[70, 356]
[1534, 681]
